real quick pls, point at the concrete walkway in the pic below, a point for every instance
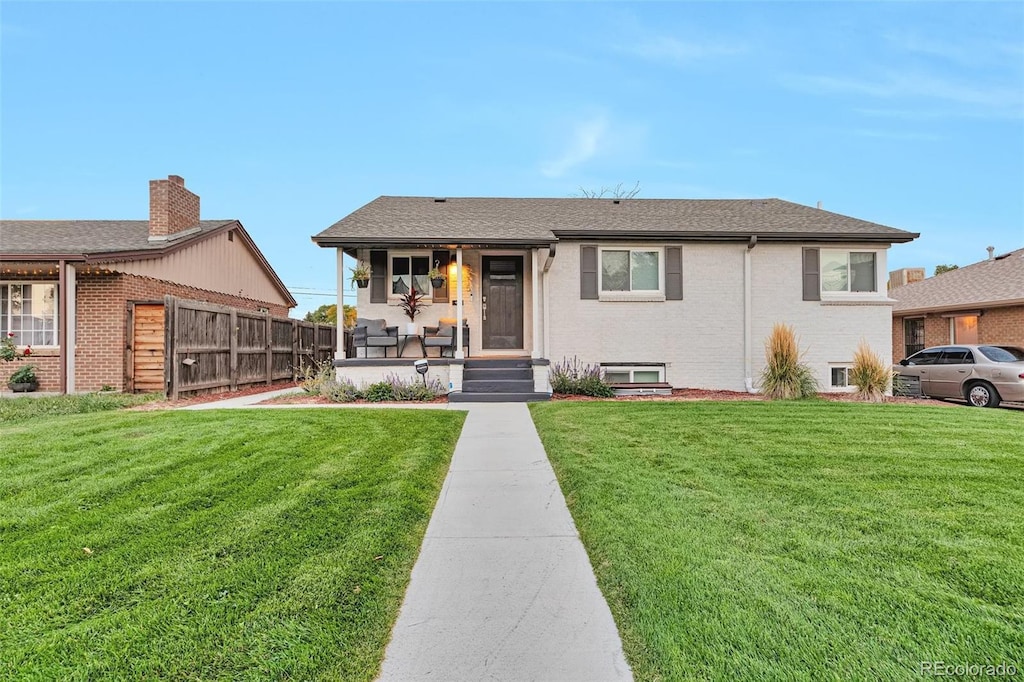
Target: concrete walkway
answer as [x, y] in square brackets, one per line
[503, 589]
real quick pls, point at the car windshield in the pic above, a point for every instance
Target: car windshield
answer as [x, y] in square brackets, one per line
[1002, 353]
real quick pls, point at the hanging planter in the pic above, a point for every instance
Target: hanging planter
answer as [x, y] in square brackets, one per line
[436, 276]
[360, 275]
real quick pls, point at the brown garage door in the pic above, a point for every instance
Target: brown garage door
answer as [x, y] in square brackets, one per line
[148, 348]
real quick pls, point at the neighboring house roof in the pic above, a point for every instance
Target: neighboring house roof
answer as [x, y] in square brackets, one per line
[85, 238]
[105, 241]
[996, 282]
[425, 220]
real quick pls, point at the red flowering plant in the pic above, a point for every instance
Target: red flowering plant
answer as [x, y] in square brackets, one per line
[9, 353]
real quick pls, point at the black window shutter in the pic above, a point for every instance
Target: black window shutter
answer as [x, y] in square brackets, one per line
[812, 277]
[441, 260]
[674, 273]
[588, 272]
[378, 277]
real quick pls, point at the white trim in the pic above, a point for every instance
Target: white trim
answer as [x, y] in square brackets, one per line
[631, 294]
[847, 294]
[460, 353]
[71, 308]
[56, 308]
[395, 299]
[505, 253]
[846, 366]
[632, 369]
[535, 306]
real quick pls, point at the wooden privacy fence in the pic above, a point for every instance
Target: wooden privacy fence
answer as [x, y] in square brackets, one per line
[216, 347]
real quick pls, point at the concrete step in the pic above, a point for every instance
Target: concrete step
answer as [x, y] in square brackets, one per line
[490, 373]
[503, 363]
[523, 397]
[497, 386]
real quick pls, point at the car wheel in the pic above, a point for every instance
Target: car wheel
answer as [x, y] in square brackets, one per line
[982, 394]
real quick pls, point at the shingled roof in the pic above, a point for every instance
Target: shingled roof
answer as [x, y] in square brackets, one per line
[996, 282]
[426, 220]
[90, 238]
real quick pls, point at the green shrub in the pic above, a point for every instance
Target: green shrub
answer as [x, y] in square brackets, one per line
[571, 377]
[869, 374]
[379, 392]
[785, 377]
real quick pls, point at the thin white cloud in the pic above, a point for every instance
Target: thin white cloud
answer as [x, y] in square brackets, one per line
[898, 135]
[991, 51]
[992, 100]
[586, 141]
[676, 52]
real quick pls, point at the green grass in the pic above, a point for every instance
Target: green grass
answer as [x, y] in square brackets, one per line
[222, 544]
[20, 409]
[806, 540]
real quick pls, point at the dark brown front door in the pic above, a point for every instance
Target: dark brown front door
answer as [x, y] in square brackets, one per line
[502, 302]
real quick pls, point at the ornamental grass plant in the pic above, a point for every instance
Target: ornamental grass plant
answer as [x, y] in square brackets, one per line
[785, 376]
[869, 374]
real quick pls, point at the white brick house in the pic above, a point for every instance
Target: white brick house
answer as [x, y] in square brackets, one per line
[678, 292]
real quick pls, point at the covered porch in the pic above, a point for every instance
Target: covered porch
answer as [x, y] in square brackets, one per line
[496, 289]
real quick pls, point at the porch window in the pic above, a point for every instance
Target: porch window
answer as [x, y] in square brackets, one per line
[630, 270]
[29, 309]
[408, 272]
[847, 271]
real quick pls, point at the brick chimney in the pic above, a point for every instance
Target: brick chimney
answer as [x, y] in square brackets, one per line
[172, 208]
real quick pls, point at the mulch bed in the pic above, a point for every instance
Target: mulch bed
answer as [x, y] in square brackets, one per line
[691, 394]
[213, 397]
[678, 394]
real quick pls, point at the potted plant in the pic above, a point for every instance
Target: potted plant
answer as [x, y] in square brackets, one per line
[360, 275]
[412, 306]
[24, 378]
[436, 276]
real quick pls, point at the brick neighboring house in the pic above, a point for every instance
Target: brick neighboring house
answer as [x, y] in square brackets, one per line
[979, 303]
[73, 284]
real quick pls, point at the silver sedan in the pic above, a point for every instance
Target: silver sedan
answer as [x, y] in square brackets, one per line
[982, 375]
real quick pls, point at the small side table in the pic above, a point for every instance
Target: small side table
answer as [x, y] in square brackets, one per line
[403, 341]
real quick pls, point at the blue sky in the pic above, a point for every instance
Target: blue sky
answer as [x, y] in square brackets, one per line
[288, 116]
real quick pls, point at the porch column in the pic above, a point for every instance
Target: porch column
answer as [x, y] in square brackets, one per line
[69, 295]
[339, 352]
[535, 290]
[459, 353]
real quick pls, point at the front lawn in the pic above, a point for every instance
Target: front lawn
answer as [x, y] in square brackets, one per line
[805, 540]
[212, 545]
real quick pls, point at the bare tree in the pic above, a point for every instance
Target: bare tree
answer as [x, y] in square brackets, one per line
[617, 192]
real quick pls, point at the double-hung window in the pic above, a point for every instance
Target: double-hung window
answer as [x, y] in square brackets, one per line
[848, 271]
[631, 270]
[410, 271]
[29, 310]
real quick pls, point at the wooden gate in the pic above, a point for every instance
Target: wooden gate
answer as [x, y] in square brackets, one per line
[147, 348]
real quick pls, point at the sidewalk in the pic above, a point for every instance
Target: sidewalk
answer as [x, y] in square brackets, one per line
[503, 589]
